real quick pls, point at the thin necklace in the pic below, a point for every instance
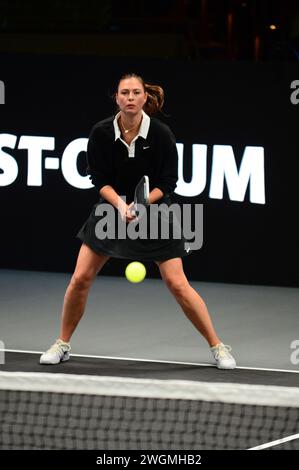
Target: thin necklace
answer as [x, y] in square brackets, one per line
[126, 131]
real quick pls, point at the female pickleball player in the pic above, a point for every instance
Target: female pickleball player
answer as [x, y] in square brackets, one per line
[121, 149]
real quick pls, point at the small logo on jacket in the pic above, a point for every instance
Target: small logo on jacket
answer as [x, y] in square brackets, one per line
[147, 147]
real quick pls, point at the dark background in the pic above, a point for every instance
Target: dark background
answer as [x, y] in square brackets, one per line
[223, 85]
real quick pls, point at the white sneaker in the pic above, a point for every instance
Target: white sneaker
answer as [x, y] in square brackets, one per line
[222, 356]
[58, 352]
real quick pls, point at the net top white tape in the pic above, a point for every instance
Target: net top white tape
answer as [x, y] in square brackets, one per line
[247, 394]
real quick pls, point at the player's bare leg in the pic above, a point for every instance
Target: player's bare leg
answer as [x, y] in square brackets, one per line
[88, 265]
[192, 304]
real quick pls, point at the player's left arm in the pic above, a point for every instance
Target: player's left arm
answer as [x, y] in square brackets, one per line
[155, 195]
[167, 176]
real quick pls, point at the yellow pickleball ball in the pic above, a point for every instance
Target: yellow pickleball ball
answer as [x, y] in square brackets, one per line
[135, 272]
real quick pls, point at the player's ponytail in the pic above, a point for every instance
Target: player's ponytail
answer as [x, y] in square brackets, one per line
[155, 99]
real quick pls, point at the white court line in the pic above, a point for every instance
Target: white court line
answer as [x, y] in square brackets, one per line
[275, 443]
[156, 360]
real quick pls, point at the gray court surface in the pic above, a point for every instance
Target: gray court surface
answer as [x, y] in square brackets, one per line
[139, 332]
[143, 321]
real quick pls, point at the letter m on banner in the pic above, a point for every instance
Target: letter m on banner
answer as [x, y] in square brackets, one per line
[2, 92]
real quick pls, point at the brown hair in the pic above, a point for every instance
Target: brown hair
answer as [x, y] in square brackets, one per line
[155, 94]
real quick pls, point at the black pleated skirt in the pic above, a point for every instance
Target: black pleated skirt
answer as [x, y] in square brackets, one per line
[144, 249]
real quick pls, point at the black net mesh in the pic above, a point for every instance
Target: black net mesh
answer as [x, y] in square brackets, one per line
[43, 420]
